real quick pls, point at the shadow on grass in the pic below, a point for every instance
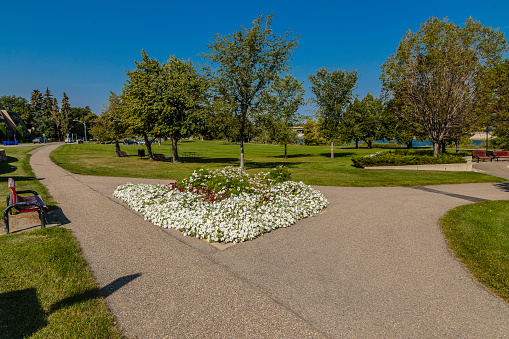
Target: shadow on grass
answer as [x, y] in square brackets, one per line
[200, 160]
[17, 178]
[21, 313]
[255, 165]
[291, 156]
[337, 155]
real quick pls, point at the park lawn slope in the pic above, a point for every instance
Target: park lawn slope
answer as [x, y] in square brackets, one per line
[310, 164]
[479, 236]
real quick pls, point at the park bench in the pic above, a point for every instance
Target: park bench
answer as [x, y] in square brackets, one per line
[501, 154]
[24, 204]
[158, 156]
[481, 155]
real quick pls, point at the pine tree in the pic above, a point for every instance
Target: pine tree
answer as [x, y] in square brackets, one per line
[65, 114]
[55, 114]
[36, 107]
[48, 103]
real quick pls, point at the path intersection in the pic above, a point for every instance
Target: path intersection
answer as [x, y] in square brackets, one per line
[373, 264]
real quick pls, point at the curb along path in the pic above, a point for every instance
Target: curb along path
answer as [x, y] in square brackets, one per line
[373, 264]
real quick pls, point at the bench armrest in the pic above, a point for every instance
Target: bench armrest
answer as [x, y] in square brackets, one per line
[27, 191]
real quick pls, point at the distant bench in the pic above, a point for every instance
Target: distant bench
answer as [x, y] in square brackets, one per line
[481, 155]
[501, 154]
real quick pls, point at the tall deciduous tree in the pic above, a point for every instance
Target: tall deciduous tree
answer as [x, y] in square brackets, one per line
[439, 75]
[112, 124]
[248, 61]
[333, 93]
[500, 104]
[281, 104]
[143, 97]
[183, 97]
[362, 121]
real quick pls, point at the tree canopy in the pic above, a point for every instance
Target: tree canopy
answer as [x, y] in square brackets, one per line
[333, 93]
[246, 63]
[438, 76]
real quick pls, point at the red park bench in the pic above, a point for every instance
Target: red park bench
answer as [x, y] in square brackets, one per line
[501, 154]
[24, 204]
[481, 155]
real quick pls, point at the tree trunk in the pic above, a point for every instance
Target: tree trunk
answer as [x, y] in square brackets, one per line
[242, 153]
[148, 144]
[332, 149]
[175, 158]
[356, 143]
[443, 147]
[370, 144]
[457, 142]
[436, 148]
[117, 149]
[409, 144]
[286, 153]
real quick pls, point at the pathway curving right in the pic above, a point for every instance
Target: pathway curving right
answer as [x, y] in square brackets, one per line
[373, 264]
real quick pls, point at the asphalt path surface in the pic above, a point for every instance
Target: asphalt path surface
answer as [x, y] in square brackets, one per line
[374, 264]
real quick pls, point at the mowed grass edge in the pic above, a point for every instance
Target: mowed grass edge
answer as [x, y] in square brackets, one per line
[310, 164]
[478, 234]
[46, 288]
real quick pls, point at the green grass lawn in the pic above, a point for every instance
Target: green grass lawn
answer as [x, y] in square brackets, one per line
[47, 291]
[479, 236]
[46, 288]
[310, 164]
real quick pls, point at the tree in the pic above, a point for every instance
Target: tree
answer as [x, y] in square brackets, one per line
[248, 61]
[143, 98]
[362, 121]
[312, 134]
[183, 97]
[280, 105]
[112, 124]
[65, 114]
[333, 93]
[500, 104]
[19, 105]
[55, 114]
[439, 76]
[48, 103]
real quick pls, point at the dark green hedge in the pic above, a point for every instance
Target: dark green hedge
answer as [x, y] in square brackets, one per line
[406, 157]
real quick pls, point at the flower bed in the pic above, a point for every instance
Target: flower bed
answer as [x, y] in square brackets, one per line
[226, 205]
[405, 157]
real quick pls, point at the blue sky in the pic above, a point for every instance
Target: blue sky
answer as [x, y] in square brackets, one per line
[83, 47]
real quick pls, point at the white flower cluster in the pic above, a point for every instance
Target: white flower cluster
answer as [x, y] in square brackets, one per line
[374, 154]
[237, 218]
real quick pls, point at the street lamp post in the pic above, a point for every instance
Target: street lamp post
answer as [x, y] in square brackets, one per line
[85, 126]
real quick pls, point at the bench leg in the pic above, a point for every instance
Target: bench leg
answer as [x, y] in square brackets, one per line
[42, 217]
[6, 219]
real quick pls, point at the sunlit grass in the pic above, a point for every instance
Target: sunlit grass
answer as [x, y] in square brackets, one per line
[310, 164]
[479, 236]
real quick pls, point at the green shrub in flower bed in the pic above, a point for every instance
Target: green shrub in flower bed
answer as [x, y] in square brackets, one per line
[405, 157]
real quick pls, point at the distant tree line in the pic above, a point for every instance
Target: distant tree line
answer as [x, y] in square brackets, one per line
[43, 115]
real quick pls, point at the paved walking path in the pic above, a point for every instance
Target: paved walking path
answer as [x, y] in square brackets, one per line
[373, 264]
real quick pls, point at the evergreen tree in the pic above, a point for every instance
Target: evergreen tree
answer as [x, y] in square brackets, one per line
[36, 109]
[65, 115]
[55, 114]
[48, 103]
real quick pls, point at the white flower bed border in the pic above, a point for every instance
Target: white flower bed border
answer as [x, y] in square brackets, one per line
[235, 219]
